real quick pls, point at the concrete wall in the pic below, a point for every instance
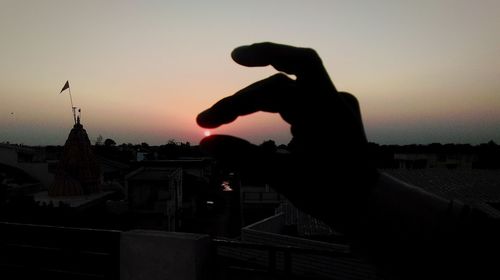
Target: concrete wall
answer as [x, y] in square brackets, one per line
[155, 255]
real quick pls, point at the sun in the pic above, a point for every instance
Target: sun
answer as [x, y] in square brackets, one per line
[207, 133]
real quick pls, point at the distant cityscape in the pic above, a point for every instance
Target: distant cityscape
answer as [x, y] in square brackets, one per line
[176, 188]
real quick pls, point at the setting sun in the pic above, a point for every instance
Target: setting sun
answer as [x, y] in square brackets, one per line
[207, 133]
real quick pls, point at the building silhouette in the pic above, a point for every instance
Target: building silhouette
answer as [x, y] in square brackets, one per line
[154, 196]
[78, 172]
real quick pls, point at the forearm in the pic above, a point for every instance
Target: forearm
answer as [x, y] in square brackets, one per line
[391, 213]
[406, 209]
[404, 228]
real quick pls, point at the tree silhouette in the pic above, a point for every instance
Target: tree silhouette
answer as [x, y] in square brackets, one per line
[269, 146]
[109, 142]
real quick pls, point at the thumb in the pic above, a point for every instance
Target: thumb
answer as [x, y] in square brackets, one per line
[258, 162]
[229, 148]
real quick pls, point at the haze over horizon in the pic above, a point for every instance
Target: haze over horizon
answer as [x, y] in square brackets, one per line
[141, 71]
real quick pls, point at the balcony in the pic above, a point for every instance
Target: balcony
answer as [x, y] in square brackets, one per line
[49, 252]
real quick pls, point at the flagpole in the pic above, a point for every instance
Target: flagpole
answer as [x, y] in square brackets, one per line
[72, 107]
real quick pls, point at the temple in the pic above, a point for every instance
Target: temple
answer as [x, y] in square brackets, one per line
[78, 172]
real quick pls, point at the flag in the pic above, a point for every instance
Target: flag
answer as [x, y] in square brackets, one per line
[66, 86]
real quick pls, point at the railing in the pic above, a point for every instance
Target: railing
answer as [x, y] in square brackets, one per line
[50, 252]
[273, 251]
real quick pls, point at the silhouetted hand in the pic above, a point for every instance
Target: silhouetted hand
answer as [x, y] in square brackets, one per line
[409, 233]
[327, 173]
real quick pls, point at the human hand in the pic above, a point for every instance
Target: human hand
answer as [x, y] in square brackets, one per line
[327, 168]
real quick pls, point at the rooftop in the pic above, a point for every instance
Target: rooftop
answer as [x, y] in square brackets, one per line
[71, 201]
[152, 173]
[477, 187]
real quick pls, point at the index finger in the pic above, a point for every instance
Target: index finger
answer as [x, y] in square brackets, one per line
[302, 62]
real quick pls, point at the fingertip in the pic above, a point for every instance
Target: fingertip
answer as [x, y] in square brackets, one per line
[201, 119]
[235, 53]
[240, 55]
[251, 55]
[209, 119]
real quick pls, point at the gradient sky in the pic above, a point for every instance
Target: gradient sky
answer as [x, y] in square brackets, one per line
[424, 71]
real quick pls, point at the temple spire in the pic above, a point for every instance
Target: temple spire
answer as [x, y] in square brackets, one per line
[78, 172]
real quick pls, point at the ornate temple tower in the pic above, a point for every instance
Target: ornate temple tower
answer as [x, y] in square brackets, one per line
[78, 172]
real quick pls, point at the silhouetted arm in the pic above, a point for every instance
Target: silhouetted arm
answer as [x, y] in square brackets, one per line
[412, 234]
[328, 173]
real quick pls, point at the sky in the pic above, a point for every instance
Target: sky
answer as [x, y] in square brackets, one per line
[423, 71]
